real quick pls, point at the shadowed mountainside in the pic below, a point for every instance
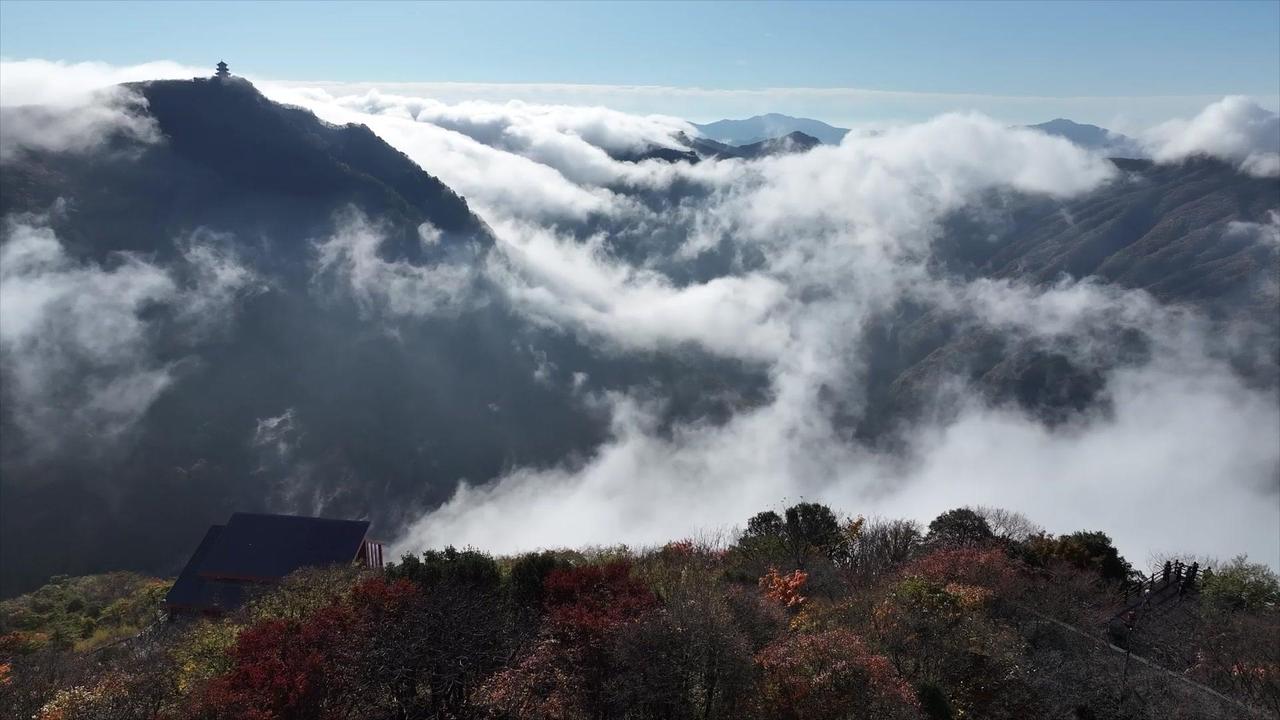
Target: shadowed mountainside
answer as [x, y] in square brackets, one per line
[310, 401]
[306, 388]
[766, 127]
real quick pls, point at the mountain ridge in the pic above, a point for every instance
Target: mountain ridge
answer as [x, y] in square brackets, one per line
[1093, 137]
[312, 398]
[759, 128]
[771, 126]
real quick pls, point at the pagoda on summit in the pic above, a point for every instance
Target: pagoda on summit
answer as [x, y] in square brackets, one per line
[222, 73]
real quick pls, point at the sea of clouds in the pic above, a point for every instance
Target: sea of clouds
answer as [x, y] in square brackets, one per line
[1185, 455]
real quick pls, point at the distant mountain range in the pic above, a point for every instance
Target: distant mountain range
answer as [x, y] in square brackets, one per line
[695, 149]
[761, 128]
[795, 141]
[1093, 137]
[767, 127]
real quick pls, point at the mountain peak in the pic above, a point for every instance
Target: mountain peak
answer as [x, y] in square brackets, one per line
[1092, 137]
[769, 126]
[226, 125]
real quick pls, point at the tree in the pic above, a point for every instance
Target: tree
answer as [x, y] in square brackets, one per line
[767, 524]
[805, 537]
[988, 568]
[1241, 585]
[305, 591]
[942, 635]
[466, 568]
[811, 526]
[786, 590]
[455, 635]
[527, 578]
[1008, 524]
[285, 669]
[688, 659]
[1084, 550]
[880, 547]
[544, 683]
[959, 528]
[816, 676]
[1237, 652]
[570, 672]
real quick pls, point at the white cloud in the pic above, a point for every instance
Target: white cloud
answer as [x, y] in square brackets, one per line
[888, 188]
[350, 258]
[492, 180]
[1188, 461]
[79, 104]
[77, 128]
[844, 233]
[44, 82]
[65, 322]
[76, 346]
[560, 282]
[1234, 129]
[844, 106]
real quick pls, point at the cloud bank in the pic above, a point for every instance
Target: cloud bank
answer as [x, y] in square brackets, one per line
[837, 235]
[782, 264]
[844, 106]
[77, 107]
[347, 262]
[78, 338]
[1234, 129]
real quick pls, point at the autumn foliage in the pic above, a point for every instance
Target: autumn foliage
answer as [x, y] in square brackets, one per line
[821, 675]
[989, 568]
[785, 589]
[805, 616]
[285, 668]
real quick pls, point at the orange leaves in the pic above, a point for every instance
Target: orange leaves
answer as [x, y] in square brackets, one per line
[988, 568]
[822, 675]
[21, 642]
[784, 589]
[543, 685]
[970, 597]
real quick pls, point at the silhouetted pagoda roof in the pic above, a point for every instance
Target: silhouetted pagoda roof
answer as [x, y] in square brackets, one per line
[260, 548]
[264, 548]
[188, 588]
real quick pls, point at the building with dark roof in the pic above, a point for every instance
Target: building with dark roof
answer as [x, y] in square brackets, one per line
[254, 550]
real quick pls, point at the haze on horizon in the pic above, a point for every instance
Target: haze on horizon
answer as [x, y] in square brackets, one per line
[1124, 66]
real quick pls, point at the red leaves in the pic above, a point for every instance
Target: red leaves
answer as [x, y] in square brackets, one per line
[376, 596]
[596, 598]
[988, 568]
[284, 668]
[823, 675]
[566, 673]
[679, 550]
[305, 668]
[546, 684]
[784, 589]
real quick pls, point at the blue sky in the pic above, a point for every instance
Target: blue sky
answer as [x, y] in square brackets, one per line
[1014, 59]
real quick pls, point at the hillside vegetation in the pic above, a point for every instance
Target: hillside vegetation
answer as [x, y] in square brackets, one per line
[804, 615]
[81, 613]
